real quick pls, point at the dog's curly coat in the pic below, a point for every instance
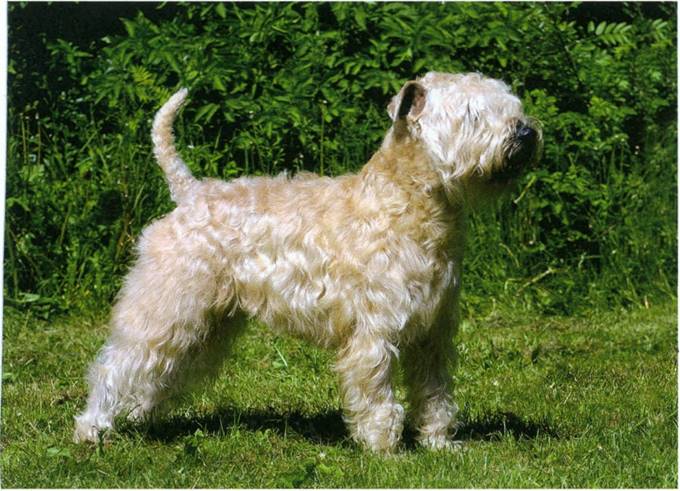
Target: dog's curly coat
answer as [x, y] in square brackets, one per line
[368, 264]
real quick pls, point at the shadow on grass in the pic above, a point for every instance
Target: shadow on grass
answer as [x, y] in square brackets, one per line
[495, 425]
[326, 428]
[329, 428]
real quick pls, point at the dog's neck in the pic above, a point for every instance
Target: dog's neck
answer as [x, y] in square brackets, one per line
[405, 164]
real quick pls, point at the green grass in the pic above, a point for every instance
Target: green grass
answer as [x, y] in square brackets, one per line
[545, 402]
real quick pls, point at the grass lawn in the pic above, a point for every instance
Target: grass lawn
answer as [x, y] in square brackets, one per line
[545, 402]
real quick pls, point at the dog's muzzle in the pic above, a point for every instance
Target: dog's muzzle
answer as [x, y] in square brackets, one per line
[521, 151]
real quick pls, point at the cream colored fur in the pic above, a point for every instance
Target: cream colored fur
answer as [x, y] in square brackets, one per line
[367, 264]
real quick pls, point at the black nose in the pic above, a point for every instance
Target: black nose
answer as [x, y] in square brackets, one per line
[526, 133]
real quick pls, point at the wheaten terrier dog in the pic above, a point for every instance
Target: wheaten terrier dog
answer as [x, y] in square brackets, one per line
[368, 264]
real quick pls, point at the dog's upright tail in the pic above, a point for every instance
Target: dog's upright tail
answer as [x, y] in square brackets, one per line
[176, 171]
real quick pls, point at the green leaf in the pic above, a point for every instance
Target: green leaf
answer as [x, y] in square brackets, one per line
[205, 113]
[217, 83]
[58, 452]
[360, 17]
[129, 27]
[221, 10]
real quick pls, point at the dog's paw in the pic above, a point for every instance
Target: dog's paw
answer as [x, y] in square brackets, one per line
[441, 442]
[87, 430]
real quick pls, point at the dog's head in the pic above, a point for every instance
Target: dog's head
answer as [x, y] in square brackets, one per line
[472, 127]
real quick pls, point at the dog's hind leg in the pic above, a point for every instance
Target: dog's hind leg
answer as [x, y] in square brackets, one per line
[163, 318]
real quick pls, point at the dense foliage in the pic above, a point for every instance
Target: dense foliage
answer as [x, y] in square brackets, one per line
[304, 86]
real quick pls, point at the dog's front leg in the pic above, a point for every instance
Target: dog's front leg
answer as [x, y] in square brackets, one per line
[365, 367]
[426, 365]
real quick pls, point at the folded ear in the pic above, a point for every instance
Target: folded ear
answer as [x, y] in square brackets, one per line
[410, 101]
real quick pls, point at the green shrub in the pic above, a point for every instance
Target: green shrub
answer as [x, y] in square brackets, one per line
[304, 86]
